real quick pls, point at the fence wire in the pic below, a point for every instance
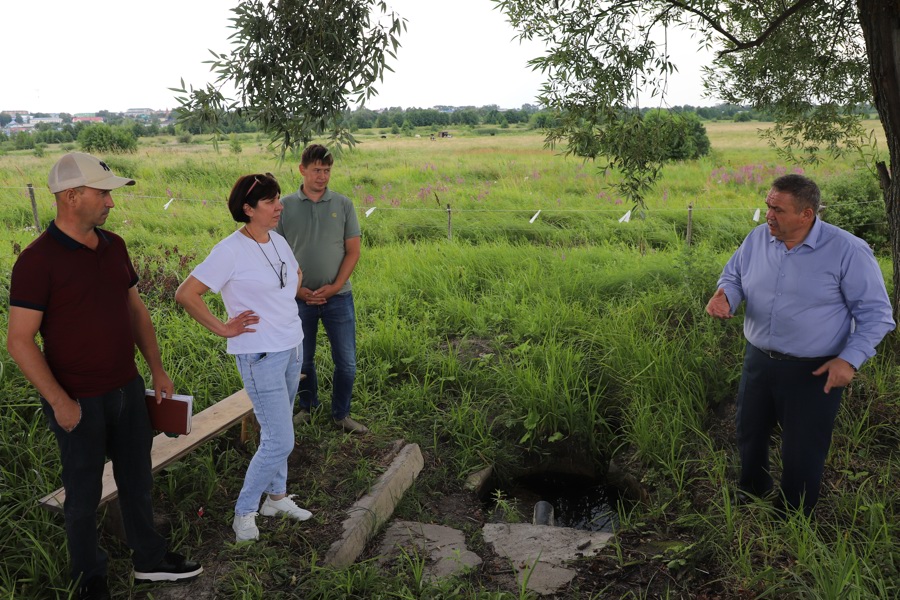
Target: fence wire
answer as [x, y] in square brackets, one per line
[46, 201]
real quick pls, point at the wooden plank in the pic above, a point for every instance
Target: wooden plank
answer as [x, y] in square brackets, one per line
[204, 426]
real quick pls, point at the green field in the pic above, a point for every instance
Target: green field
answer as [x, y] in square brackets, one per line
[488, 337]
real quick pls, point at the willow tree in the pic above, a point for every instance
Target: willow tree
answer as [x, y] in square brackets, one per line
[809, 63]
[296, 67]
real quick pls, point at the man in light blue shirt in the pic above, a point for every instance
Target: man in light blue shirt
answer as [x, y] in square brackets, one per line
[816, 309]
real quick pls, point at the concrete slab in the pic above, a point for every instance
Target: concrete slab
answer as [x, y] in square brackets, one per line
[443, 547]
[376, 507]
[541, 553]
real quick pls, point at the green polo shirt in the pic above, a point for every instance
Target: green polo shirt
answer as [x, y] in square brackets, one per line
[316, 232]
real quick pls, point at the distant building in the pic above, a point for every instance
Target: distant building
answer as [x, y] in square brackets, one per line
[14, 127]
[80, 119]
[16, 113]
[54, 120]
[138, 112]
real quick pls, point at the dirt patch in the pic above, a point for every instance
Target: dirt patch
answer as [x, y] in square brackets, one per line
[650, 561]
[649, 566]
[470, 349]
[448, 506]
[335, 462]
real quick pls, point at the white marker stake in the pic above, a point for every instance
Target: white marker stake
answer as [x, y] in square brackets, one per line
[166, 207]
[756, 216]
[534, 217]
[626, 217]
[370, 211]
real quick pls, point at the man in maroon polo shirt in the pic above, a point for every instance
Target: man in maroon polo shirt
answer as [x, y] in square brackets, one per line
[76, 285]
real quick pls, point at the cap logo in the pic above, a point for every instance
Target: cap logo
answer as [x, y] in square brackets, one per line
[105, 168]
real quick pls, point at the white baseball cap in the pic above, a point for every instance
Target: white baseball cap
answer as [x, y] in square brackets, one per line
[77, 169]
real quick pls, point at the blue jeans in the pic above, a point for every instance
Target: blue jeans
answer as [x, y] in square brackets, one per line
[270, 379]
[117, 425]
[338, 316]
[787, 393]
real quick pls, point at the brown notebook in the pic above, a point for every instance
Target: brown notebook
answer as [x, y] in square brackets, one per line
[172, 415]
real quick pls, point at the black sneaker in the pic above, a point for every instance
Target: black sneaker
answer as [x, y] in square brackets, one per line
[173, 567]
[95, 588]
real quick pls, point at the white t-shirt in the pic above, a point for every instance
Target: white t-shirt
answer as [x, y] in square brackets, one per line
[247, 276]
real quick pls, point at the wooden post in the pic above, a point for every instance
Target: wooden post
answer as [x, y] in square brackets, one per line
[37, 222]
[449, 224]
[249, 428]
[690, 223]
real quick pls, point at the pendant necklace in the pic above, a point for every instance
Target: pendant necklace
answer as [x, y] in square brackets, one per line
[281, 275]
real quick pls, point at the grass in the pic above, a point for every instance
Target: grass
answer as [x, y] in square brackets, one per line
[574, 335]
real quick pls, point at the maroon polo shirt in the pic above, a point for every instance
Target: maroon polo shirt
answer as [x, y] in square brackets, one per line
[83, 293]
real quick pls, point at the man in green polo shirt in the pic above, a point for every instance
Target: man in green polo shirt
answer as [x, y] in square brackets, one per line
[322, 229]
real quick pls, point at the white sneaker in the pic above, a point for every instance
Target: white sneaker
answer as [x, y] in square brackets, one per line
[285, 506]
[245, 528]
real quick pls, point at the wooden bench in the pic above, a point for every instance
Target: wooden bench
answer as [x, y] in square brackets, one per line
[205, 425]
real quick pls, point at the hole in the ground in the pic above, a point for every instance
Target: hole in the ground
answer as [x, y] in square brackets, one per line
[577, 501]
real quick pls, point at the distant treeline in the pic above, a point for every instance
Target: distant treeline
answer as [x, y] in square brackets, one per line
[534, 116]
[393, 120]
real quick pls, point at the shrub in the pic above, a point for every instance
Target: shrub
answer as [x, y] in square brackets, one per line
[657, 136]
[235, 145]
[542, 120]
[23, 141]
[681, 135]
[855, 204]
[102, 138]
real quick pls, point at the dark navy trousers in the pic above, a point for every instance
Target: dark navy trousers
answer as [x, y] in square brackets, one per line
[784, 392]
[338, 316]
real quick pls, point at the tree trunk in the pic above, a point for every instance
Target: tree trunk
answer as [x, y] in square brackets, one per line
[880, 21]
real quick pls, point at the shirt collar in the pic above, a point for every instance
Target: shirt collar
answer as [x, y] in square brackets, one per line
[325, 197]
[811, 239]
[68, 242]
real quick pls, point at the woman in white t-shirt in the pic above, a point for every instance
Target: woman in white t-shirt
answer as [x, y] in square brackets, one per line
[258, 277]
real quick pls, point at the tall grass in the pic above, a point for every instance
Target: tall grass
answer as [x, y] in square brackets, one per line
[571, 335]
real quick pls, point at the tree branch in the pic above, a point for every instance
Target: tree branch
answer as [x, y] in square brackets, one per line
[705, 17]
[739, 45]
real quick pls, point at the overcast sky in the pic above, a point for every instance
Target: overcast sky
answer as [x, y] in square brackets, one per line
[61, 56]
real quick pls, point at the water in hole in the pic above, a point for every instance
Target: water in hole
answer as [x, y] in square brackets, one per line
[578, 502]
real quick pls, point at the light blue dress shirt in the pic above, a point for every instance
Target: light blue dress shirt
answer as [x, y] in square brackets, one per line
[823, 297]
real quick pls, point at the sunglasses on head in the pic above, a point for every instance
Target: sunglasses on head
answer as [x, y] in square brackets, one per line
[256, 180]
